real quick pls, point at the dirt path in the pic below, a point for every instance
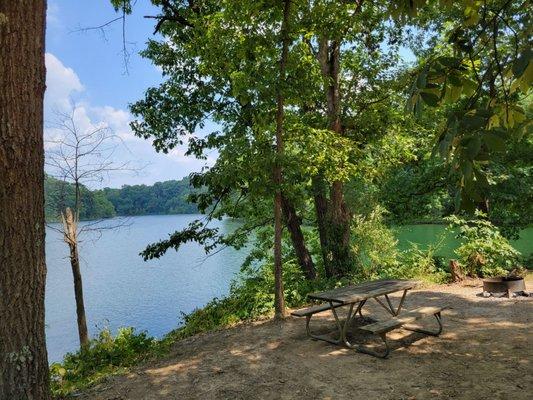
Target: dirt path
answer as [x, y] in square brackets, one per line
[485, 352]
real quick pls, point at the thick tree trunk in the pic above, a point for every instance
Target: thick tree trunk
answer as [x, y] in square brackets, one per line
[279, 298]
[23, 358]
[294, 226]
[70, 229]
[335, 223]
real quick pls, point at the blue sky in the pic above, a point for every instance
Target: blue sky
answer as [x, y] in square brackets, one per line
[86, 68]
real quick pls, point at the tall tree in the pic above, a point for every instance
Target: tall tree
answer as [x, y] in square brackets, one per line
[23, 358]
[217, 58]
[211, 58]
[279, 302]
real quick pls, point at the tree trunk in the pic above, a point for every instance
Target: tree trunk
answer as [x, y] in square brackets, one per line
[321, 210]
[70, 229]
[23, 358]
[279, 298]
[456, 272]
[294, 226]
[338, 259]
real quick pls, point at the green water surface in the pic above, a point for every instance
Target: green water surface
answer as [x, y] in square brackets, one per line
[427, 234]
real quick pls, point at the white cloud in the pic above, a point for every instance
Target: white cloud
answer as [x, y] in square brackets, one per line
[61, 83]
[65, 89]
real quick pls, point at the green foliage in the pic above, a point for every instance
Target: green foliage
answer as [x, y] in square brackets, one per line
[60, 194]
[374, 244]
[419, 264]
[169, 197]
[480, 70]
[511, 197]
[484, 251]
[378, 256]
[106, 355]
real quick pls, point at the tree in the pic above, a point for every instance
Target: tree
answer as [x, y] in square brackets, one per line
[220, 48]
[233, 188]
[80, 156]
[23, 358]
[279, 302]
[480, 71]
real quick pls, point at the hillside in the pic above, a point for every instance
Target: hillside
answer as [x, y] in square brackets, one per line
[169, 197]
[60, 194]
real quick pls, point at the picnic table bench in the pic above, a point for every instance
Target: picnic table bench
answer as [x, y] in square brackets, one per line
[354, 298]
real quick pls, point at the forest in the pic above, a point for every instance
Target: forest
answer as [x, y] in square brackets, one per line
[169, 197]
[335, 122]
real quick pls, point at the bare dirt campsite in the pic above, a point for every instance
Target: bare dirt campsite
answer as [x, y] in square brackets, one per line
[484, 352]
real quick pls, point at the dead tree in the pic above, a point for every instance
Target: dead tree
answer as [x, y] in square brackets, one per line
[81, 157]
[456, 271]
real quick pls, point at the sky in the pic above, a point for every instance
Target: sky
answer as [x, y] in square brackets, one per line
[86, 69]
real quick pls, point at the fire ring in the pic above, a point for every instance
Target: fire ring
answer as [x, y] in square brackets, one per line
[504, 285]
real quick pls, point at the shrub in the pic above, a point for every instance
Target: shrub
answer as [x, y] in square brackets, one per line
[374, 244]
[484, 251]
[105, 355]
[416, 263]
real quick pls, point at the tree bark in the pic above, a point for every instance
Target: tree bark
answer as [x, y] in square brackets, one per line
[294, 226]
[334, 224]
[23, 358]
[70, 231]
[321, 210]
[279, 298]
[456, 272]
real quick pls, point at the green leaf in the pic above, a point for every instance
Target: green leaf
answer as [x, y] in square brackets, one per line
[494, 142]
[473, 122]
[473, 147]
[421, 81]
[467, 168]
[418, 107]
[521, 63]
[431, 99]
[455, 80]
[449, 61]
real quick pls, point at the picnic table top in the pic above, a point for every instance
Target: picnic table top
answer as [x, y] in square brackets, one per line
[363, 291]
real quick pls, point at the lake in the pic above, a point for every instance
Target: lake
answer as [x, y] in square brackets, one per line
[121, 289]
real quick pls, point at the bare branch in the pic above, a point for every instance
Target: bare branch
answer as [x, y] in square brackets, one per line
[82, 156]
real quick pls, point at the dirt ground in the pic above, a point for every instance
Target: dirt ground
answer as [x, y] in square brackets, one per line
[484, 352]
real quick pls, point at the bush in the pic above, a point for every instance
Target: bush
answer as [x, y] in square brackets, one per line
[374, 244]
[105, 355]
[484, 251]
[419, 264]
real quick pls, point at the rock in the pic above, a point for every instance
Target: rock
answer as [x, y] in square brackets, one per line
[485, 294]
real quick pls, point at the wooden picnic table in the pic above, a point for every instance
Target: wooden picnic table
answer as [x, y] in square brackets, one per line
[354, 298]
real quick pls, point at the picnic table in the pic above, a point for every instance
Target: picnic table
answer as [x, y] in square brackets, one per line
[354, 298]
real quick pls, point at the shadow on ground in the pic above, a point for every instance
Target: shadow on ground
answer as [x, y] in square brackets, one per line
[484, 352]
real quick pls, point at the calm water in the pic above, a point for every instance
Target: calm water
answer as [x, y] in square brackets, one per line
[120, 289]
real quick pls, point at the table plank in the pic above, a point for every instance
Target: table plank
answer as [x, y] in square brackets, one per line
[354, 293]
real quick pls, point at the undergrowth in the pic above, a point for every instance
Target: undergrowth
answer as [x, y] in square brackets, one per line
[251, 295]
